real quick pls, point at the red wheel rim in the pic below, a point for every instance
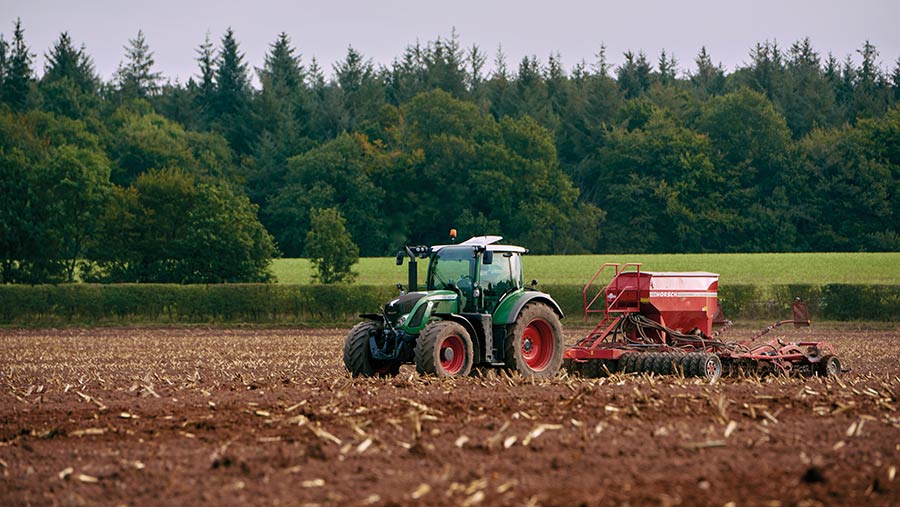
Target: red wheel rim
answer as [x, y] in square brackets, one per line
[537, 344]
[452, 354]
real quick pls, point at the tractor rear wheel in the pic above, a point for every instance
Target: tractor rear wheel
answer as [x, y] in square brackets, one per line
[534, 345]
[444, 348]
[358, 354]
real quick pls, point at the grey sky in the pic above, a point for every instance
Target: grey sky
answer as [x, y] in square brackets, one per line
[382, 29]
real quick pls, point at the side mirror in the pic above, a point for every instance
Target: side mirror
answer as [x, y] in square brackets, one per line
[488, 257]
[400, 258]
[533, 283]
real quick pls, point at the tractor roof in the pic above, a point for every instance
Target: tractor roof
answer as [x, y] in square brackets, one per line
[488, 242]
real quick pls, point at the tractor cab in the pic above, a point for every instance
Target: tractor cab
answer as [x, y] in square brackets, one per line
[480, 272]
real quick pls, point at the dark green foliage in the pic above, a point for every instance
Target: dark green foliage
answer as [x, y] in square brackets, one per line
[359, 91]
[330, 248]
[861, 302]
[144, 141]
[708, 79]
[338, 174]
[440, 64]
[69, 85]
[465, 169]
[231, 110]
[17, 75]
[170, 227]
[283, 109]
[812, 102]
[853, 174]
[55, 184]
[752, 157]
[634, 75]
[203, 92]
[64, 62]
[135, 78]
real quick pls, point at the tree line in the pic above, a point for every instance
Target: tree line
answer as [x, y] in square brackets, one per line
[145, 179]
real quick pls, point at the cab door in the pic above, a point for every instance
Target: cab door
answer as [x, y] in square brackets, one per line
[498, 278]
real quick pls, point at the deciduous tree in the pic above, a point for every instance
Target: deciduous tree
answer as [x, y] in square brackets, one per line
[330, 248]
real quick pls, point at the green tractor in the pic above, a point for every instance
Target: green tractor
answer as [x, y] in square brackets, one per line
[475, 311]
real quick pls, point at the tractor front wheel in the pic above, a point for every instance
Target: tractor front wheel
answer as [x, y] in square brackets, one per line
[358, 354]
[534, 345]
[444, 348]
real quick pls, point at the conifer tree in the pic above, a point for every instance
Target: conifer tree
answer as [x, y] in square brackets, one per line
[135, 77]
[708, 79]
[361, 91]
[281, 104]
[895, 80]
[601, 66]
[66, 62]
[204, 91]
[231, 104]
[18, 75]
[767, 70]
[282, 71]
[475, 59]
[871, 94]
[668, 67]
[281, 109]
[499, 87]
[4, 48]
[807, 97]
[69, 85]
[634, 74]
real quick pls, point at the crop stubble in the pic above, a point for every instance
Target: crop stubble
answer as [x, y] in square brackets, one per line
[268, 416]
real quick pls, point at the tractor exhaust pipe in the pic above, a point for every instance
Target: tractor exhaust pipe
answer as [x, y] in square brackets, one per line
[413, 270]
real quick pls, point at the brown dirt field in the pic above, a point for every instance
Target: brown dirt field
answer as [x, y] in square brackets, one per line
[189, 416]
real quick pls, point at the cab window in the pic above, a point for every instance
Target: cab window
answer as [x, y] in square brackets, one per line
[452, 267]
[503, 274]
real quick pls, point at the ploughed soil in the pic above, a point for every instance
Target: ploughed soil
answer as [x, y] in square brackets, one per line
[195, 416]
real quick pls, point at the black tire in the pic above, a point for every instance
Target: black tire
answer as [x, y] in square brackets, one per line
[692, 364]
[535, 343]
[634, 362]
[829, 366]
[645, 362]
[665, 364]
[358, 356]
[659, 364]
[626, 362]
[444, 348]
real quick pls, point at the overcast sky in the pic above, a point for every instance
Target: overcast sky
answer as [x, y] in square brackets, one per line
[382, 29]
